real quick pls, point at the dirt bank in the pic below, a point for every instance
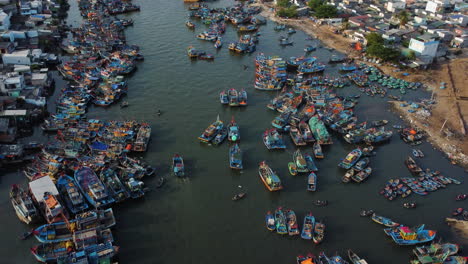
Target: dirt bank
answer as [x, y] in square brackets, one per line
[459, 226]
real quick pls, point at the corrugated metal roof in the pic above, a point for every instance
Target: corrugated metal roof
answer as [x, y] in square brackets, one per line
[42, 185]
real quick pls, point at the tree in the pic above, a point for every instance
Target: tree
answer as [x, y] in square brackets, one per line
[314, 4]
[288, 12]
[326, 11]
[403, 16]
[411, 55]
[374, 38]
[283, 3]
[382, 52]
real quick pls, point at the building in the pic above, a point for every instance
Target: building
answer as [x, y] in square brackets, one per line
[424, 45]
[11, 84]
[436, 6]
[394, 6]
[4, 21]
[459, 19]
[21, 57]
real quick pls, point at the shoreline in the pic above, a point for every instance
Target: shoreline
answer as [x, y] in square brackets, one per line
[430, 78]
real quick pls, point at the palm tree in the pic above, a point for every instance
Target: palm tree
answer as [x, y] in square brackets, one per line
[403, 16]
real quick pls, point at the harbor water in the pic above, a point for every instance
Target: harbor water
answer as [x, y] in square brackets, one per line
[194, 220]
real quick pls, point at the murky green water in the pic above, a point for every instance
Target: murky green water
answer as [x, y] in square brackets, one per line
[195, 221]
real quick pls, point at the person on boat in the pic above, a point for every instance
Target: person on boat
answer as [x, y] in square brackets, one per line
[159, 112]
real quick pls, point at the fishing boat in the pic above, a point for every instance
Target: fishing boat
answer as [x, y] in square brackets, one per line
[337, 259]
[308, 227]
[355, 259]
[291, 219]
[219, 43]
[300, 161]
[221, 136]
[143, 137]
[63, 231]
[361, 164]
[96, 253]
[297, 136]
[312, 182]
[292, 168]
[280, 221]
[273, 140]
[269, 178]
[223, 98]
[285, 42]
[409, 205]
[310, 162]
[309, 259]
[233, 131]
[347, 177]
[404, 236]
[362, 175]
[207, 57]
[233, 97]
[235, 157]
[193, 53]
[178, 167]
[69, 191]
[23, 205]
[114, 185]
[318, 153]
[309, 48]
[319, 232]
[379, 123]
[319, 131]
[238, 196]
[243, 97]
[51, 252]
[211, 131]
[324, 259]
[93, 189]
[270, 221]
[412, 166]
[350, 159]
[384, 221]
[190, 24]
[306, 133]
[461, 197]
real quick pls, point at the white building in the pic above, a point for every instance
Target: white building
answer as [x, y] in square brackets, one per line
[11, 84]
[21, 57]
[4, 21]
[435, 6]
[424, 46]
[394, 6]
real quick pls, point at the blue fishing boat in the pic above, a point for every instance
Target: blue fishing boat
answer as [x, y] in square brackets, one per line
[115, 187]
[291, 219]
[291, 31]
[273, 140]
[348, 67]
[269, 178]
[70, 192]
[223, 98]
[233, 97]
[318, 153]
[221, 136]
[319, 232]
[51, 252]
[243, 97]
[310, 48]
[97, 253]
[337, 259]
[384, 221]
[211, 131]
[311, 68]
[233, 131]
[300, 161]
[178, 167]
[92, 188]
[235, 157]
[312, 182]
[350, 159]
[219, 43]
[308, 227]
[270, 221]
[310, 162]
[280, 220]
[324, 259]
[362, 164]
[404, 236]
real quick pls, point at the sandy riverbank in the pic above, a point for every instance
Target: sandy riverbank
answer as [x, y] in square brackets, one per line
[449, 106]
[459, 226]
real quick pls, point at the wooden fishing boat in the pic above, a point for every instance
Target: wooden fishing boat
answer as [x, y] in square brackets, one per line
[221, 136]
[300, 161]
[318, 153]
[297, 137]
[405, 236]
[273, 140]
[233, 131]
[208, 57]
[270, 221]
[23, 205]
[355, 259]
[310, 162]
[192, 52]
[309, 259]
[292, 168]
[135, 187]
[350, 159]
[384, 221]
[223, 98]
[115, 187]
[238, 196]
[347, 177]
[293, 228]
[243, 97]
[211, 131]
[93, 189]
[280, 220]
[309, 48]
[233, 97]
[324, 259]
[51, 252]
[70, 192]
[319, 232]
[219, 43]
[337, 259]
[312, 182]
[235, 157]
[143, 138]
[178, 167]
[308, 227]
[412, 166]
[269, 178]
[306, 133]
[361, 164]
[362, 175]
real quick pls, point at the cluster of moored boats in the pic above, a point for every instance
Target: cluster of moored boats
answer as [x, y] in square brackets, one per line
[233, 97]
[357, 168]
[284, 222]
[76, 179]
[322, 258]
